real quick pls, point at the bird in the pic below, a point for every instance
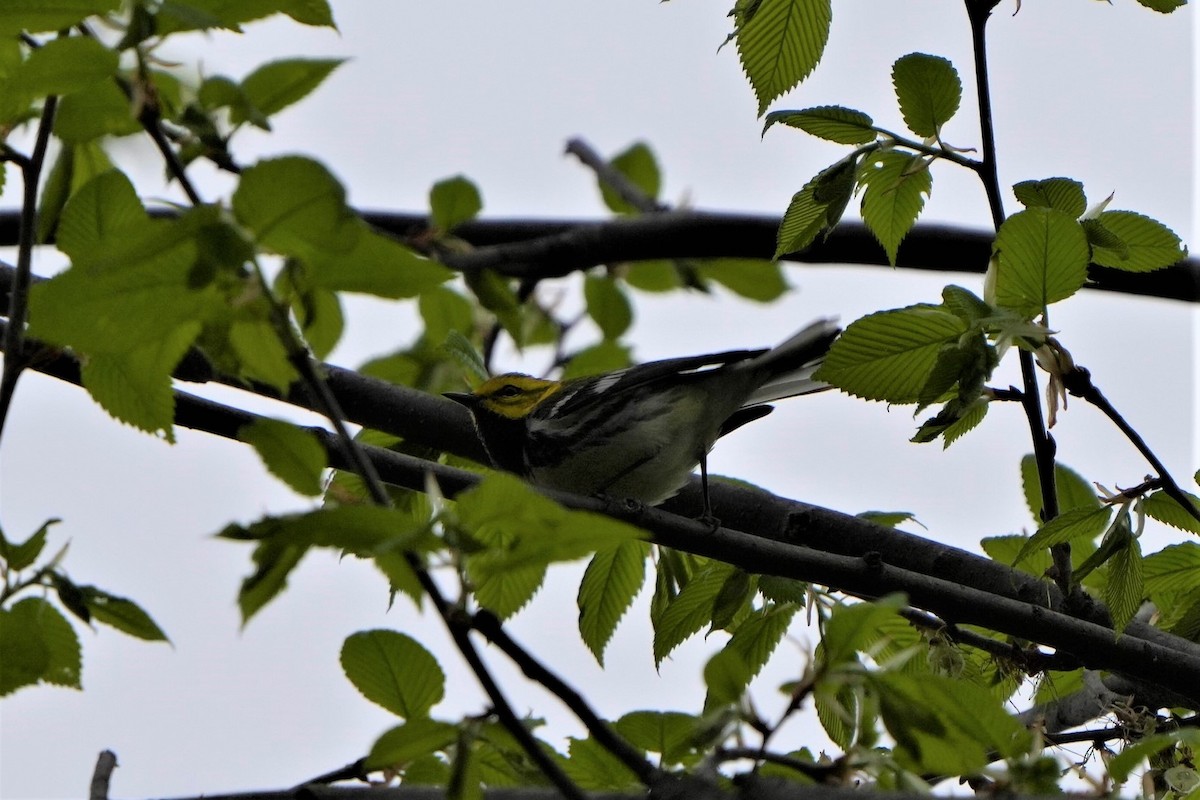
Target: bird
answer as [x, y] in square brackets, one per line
[638, 433]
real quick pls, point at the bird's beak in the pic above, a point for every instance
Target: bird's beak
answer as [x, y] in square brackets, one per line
[462, 398]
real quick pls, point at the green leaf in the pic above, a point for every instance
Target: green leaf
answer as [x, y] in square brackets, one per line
[1175, 568]
[377, 265]
[896, 187]
[1148, 244]
[851, 628]
[258, 354]
[638, 164]
[593, 768]
[444, 310]
[1064, 194]
[1163, 6]
[832, 123]
[66, 65]
[289, 452]
[929, 91]
[780, 43]
[37, 645]
[1043, 258]
[406, 743]
[670, 733]
[36, 16]
[135, 386]
[1169, 511]
[605, 356]
[612, 579]
[688, 611]
[121, 613]
[1076, 523]
[17, 557]
[181, 15]
[273, 563]
[782, 590]
[946, 726]
[278, 84]
[105, 208]
[310, 218]
[394, 671]
[607, 305]
[518, 532]
[752, 278]
[454, 201]
[889, 355]
[757, 637]
[99, 110]
[1072, 489]
[1124, 589]
[362, 530]
[653, 276]
[802, 222]
[726, 676]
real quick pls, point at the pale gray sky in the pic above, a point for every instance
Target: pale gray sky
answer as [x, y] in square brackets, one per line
[1101, 93]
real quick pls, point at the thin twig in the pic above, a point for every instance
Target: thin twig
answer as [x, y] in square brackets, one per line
[18, 300]
[613, 178]
[978, 12]
[1079, 383]
[106, 762]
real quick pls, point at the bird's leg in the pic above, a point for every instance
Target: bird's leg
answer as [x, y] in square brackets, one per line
[706, 516]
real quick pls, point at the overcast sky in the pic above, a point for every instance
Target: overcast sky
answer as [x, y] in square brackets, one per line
[1101, 93]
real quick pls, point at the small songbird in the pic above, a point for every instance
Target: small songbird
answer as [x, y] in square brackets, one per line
[638, 432]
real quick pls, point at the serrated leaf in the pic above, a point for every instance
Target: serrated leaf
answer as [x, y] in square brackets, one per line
[518, 533]
[689, 610]
[406, 743]
[757, 637]
[781, 43]
[658, 275]
[607, 305]
[276, 85]
[121, 613]
[832, 123]
[889, 519]
[1175, 568]
[273, 563]
[611, 581]
[204, 14]
[310, 218]
[1124, 587]
[453, 201]
[967, 421]
[1072, 489]
[362, 530]
[1075, 523]
[752, 278]
[638, 164]
[929, 91]
[36, 16]
[1135, 753]
[37, 645]
[394, 671]
[802, 221]
[1163, 6]
[1148, 244]
[17, 557]
[1043, 258]
[1064, 194]
[896, 186]
[592, 767]
[289, 452]
[782, 590]
[1167, 510]
[889, 355]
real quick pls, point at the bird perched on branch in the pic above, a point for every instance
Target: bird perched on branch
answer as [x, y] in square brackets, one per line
[638, 432]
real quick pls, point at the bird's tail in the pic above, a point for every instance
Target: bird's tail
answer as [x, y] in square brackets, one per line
[792, 364]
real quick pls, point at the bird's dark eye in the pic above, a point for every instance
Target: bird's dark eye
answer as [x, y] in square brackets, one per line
[508, 390]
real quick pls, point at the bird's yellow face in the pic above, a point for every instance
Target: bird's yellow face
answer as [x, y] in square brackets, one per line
[513, 395]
